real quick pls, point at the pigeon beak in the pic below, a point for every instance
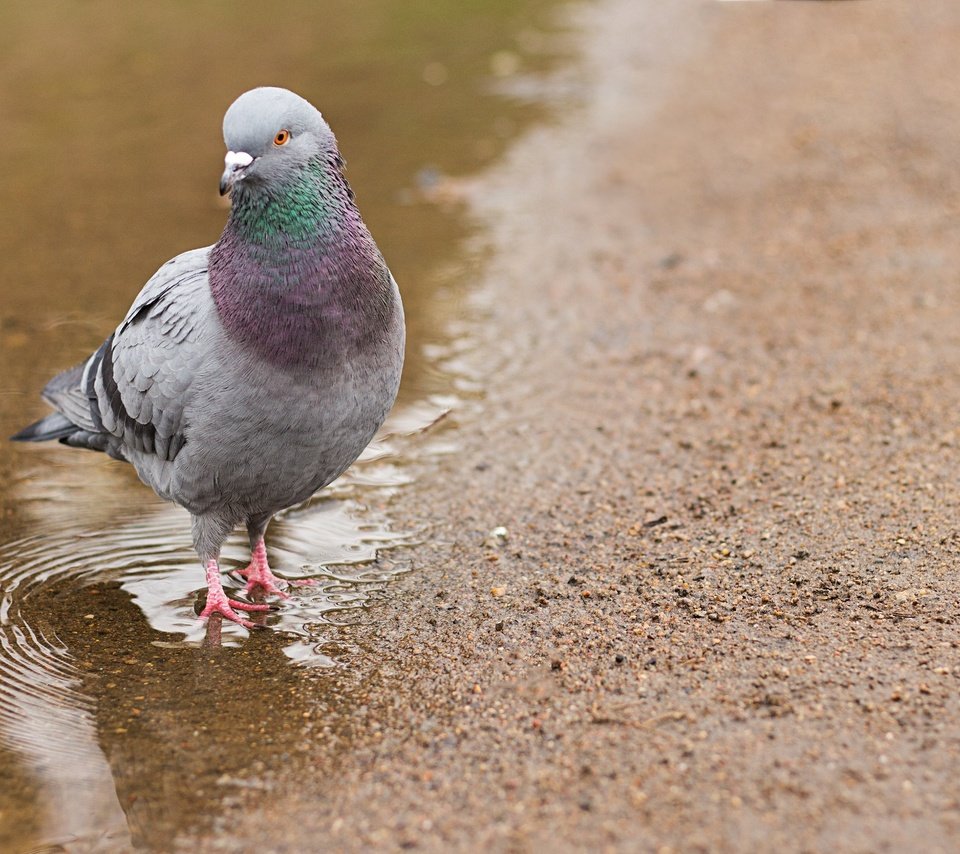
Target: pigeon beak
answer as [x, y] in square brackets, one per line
[234, 164]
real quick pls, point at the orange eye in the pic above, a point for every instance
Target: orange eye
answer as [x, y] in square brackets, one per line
[282, 137]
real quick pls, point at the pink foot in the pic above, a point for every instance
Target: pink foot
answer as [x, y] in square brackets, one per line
[258, 574]
[218, 603]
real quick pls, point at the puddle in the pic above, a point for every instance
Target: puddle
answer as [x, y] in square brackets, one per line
[69, 597]
[99, 638]
[123, 720]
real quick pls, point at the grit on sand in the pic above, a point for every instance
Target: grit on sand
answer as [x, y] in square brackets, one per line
[721, 353]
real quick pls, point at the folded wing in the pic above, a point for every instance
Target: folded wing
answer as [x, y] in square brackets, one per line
[134, 393]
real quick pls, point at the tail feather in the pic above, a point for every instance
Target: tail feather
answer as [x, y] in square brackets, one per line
[55, 426]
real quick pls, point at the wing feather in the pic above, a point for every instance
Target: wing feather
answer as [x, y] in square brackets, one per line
[148, 365]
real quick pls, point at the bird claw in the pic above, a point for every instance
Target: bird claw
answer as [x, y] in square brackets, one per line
[237, 605]
[221, 605]
[261, 578]
[218, 603]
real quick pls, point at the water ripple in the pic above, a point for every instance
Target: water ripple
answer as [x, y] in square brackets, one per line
[93, 537]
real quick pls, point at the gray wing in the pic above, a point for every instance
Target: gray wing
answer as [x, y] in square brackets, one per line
[133, 394]
[139, 382]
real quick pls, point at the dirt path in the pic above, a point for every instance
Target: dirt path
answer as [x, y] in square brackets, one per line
[721, 356]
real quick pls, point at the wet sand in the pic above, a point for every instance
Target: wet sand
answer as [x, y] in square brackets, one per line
[717, 332]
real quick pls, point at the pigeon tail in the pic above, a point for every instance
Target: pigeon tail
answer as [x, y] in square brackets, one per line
[58, 426]
[55, 426]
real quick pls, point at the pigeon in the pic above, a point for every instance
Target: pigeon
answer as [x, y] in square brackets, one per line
[248, 375]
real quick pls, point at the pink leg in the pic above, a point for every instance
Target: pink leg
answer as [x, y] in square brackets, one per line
[258, 574]
[218, 603]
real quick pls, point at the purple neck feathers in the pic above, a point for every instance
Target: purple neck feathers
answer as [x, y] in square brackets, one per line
[296, 276]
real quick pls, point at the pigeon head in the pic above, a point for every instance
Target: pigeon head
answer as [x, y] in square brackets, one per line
[271, 135]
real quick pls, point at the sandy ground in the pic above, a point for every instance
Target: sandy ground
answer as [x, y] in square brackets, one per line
[720, 347]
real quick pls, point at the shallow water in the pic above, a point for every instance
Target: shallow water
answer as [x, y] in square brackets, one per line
[123, 720]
